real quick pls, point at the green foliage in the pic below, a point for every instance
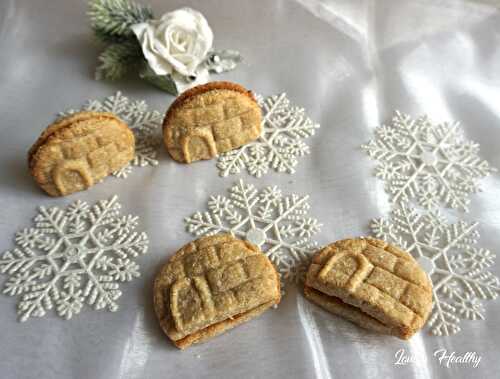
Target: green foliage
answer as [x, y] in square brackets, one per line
[111, 19]
[163, 82]
[118, 59]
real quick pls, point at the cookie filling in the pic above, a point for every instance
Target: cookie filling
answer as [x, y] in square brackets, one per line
[353, 313]
[221, 326]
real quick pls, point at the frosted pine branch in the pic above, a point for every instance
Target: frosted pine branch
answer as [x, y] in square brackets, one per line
[111, 19]
[117, 60]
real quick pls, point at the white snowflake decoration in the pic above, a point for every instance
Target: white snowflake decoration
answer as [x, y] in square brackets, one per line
[448, 254]
[71, 257]
[277, 223]
[283, 128]
[143, 122]
[433, 164]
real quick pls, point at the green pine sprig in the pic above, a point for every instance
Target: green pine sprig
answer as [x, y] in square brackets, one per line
[111, 19]
[118, 60]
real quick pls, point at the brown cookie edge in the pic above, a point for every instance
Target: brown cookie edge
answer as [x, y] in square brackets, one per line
[219, 327]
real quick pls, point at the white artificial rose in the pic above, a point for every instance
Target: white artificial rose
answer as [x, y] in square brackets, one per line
[178, 42]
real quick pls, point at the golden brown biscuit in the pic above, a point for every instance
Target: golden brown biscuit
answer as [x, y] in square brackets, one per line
[371, 283]
[77, 151]
[211, 285]
[210, 119]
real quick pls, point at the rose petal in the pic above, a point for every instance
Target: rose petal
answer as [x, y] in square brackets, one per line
[179, 41]
[145, 34]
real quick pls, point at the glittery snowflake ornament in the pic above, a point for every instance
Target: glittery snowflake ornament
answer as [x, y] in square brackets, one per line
[433, 164]
[279, 224]
[143, 122]
[284, 127]
[448, 253]
[71, 257]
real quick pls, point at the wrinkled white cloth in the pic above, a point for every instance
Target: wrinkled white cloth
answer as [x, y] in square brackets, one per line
[350, 64]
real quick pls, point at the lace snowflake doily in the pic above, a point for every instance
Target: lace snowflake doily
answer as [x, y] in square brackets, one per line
[447, 252]
[71, 257]
[143, 122]
[284, 126]
[279, 224]
[433, 164]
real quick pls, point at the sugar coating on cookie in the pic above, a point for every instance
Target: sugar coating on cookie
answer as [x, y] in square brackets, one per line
[371, 283]
[211, 119]
[79, 150]
[211, 285]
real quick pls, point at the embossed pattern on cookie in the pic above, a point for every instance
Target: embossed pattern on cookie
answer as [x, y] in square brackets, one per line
[211, 285]
[79, 150]
[371, 283]
[211, 119]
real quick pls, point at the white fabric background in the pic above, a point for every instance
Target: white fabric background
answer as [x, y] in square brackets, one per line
[350, 64]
